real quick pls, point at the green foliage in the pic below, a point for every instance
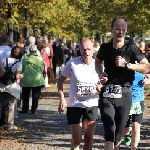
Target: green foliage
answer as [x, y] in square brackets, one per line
[78, 18]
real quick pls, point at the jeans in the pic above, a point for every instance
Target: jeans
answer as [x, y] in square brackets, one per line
[11, 106]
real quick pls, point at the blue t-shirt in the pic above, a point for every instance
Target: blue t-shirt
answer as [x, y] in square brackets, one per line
[138, 88]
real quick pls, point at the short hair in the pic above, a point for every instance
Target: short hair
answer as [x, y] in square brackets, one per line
[5, 39]
[84, 40]
[31, 39]
[11, 44]
[20, 43]
[33, 49]
[16, 52]
[116, 18]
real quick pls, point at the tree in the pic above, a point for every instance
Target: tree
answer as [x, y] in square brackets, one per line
[76, 17]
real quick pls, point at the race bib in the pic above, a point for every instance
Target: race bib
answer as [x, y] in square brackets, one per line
[113, 91]
[86, 90]
[136, 108]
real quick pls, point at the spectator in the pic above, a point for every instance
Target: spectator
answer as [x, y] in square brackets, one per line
[58, 60]
[31, 41]
[5, 50]
[11, 92]
[11, 44]
[46, 62]
[77, 51]
[33, 79]
[20, 43]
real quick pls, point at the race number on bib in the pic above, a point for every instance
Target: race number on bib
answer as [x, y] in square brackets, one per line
[113, 91]
[86, 90]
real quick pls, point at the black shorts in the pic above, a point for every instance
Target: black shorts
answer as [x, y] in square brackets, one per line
[76, 115]
[136, 117]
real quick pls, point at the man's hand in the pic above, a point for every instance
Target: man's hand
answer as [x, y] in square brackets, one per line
[62, 106]
[104, 78]
[120, 62]
[98, 87]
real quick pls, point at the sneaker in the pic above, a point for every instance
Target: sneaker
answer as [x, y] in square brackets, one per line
[77, 148]
[10, 127]
[127, 138]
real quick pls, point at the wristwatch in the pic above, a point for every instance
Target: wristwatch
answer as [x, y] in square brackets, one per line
[127, 65]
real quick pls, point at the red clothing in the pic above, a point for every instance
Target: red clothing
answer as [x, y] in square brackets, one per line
[51, 50]
[45, 57]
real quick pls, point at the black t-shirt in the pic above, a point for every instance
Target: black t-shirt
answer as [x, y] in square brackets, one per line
[58, 55]
[119, 75]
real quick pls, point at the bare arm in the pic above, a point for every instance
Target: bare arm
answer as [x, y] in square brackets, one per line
[99, 67]
[61, 79]
[143, 67]
[62, 104]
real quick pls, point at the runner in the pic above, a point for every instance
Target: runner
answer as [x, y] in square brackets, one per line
[119, 57]
[82, 104]
[132, 137]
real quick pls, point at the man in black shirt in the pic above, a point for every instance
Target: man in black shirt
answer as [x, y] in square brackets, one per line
[115, 97]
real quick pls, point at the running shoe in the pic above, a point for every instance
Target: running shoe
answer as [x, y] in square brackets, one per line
[77, 148]
[10, 127]
[127, 138]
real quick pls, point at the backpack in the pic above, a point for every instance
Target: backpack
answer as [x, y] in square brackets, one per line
[8, 77]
